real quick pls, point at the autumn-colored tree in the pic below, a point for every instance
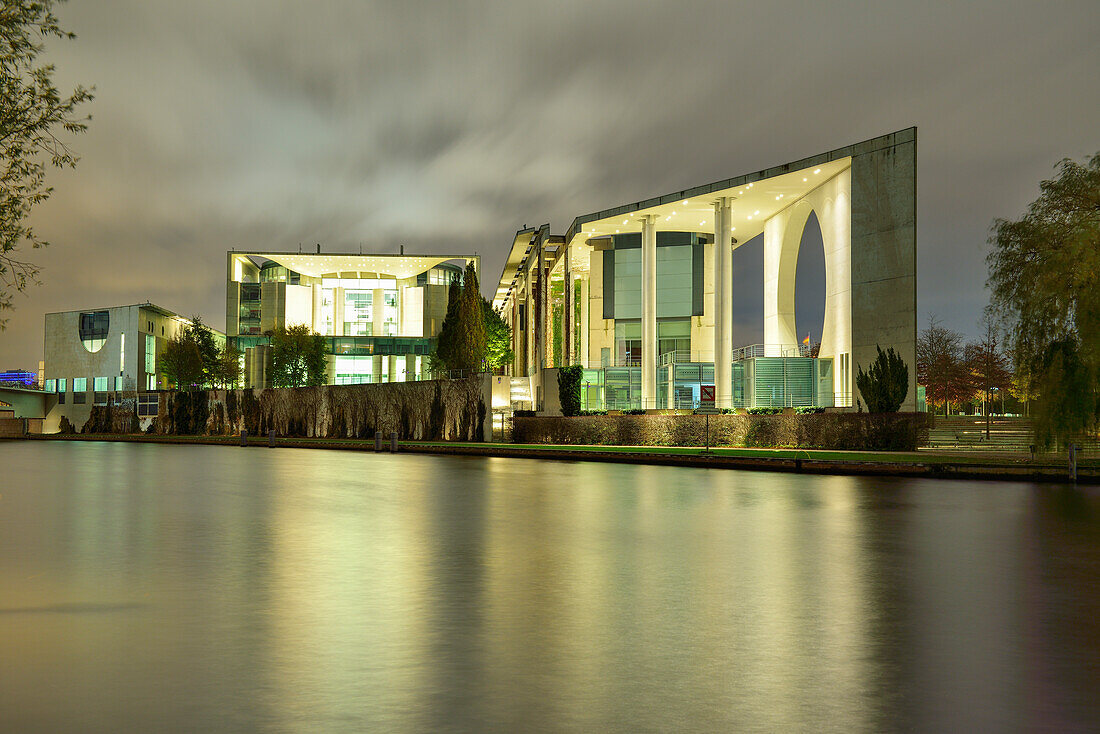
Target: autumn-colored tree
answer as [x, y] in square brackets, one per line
[940, 365]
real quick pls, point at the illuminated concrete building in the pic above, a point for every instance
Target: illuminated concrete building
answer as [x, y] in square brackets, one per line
[642, 296]
[380, 314]
[106, 355]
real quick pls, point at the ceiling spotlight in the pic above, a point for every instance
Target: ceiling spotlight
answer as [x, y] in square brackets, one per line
[778, 197]
[750, 216]
[733, 229]
[702, 223]
[804, 180]
[667, 218]
[817, 170]
[684, 202]
[624, 221]
[673, 213]
[756, 212]
[616, 231]
[740, 192]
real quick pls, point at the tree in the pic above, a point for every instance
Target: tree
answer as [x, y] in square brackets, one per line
[443, 357]
[885, 383]
[227, 368]
[470, 342]
[498, 338]
[297, 357]
[1068, 408]
[461, 344]
[204, 341]
[988, 367]
[569, 389]
[33, 115]
[940, 366]
[1044, 276]
[181, 363]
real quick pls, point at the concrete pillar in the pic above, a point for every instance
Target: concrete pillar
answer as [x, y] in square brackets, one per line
[649, 311]
[723, 304]
[584, 356]
[567, 313]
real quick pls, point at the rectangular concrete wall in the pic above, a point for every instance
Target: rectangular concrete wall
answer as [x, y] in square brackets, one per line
[884, 252]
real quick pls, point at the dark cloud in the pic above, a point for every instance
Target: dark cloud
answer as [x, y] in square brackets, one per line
[446, 126]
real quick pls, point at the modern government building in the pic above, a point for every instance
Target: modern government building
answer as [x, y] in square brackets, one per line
[379, 314]
[640, 295]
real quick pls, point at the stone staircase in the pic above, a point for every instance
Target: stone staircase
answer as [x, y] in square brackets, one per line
[968, 432]
[521, 394]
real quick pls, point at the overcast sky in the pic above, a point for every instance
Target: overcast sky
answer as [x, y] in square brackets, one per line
[447, 126]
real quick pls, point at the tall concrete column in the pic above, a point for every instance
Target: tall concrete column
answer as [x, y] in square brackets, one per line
[584, 356]
[723, 304]
[649, 311]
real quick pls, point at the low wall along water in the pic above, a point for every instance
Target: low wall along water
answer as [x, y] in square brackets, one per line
[448, 410]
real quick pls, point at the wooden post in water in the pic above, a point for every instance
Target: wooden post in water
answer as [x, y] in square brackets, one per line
[377, 440]
[393, 442]
[244, 437]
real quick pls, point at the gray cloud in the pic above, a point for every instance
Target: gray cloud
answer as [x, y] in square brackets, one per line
[446, 126]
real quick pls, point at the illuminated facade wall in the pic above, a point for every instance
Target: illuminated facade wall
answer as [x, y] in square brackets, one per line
[380, 314]
[101, 355]
[606, 297]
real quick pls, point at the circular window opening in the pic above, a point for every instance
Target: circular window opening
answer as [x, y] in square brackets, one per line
[94, 326]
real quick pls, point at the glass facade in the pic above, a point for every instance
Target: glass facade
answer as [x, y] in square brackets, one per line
[779, 382]
[250, 308]
[358, 312]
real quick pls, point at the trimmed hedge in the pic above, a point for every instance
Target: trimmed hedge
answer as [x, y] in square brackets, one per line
[839, 431]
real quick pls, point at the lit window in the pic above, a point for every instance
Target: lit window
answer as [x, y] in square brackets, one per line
[93, 327]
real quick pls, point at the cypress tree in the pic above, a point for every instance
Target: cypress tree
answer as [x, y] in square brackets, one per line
[443, 358]
[470, 344]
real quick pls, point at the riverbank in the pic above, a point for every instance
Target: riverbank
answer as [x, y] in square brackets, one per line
[935, 464]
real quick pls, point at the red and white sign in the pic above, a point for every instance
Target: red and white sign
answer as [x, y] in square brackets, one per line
[706, 396]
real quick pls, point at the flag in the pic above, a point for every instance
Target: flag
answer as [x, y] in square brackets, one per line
[806, 341]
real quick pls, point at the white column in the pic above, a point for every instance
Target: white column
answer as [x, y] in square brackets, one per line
[583, 325]
[649, 311]
[723, 303]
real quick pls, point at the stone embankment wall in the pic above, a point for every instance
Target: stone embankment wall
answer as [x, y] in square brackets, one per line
[839, 431]
[449, 410]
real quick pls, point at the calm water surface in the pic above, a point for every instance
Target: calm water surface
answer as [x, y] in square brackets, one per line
[192, 588]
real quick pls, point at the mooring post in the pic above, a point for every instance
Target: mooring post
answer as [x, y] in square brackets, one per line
[393, 442]
[244, 437]
[377, 440]
[1073, 463]
[271, 439]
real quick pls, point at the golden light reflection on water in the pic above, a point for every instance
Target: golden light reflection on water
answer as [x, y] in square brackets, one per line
[297, 589]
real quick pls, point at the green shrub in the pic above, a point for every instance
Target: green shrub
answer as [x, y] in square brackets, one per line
[808, 410]
[885, 383]
[569, 388]
[634, 411]
[765, 411]
[839, 431]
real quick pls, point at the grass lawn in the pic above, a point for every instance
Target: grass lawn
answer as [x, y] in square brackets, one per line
[925, 456]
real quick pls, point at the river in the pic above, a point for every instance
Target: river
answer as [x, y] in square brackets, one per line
[209, 588]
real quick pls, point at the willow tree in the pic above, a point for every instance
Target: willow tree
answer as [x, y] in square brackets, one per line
[1044, 275]
[33, 117]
